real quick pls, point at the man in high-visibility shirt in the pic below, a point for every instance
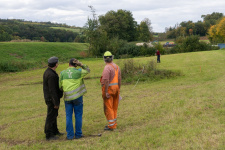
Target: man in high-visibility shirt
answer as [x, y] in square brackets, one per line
[111, 83]
[72, 84]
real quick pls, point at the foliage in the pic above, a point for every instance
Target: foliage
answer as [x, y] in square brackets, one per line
[212, 19]
[133, 71]
[114, 45]
[190, 44]
[129, 50]
[217, 32]
[80, 39]
[16, 29]
[159, 47]
[96, 37]
[194, 28]
[119, 24]
[144, 33]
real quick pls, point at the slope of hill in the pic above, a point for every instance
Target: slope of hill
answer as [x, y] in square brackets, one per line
[12, 29]
[24, 55]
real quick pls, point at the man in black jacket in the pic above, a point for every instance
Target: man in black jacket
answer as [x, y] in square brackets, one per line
[52, 95]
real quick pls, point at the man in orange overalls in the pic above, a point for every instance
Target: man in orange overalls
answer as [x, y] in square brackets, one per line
[111, 82]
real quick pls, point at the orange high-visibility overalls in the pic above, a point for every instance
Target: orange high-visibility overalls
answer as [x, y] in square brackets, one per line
[111, 104]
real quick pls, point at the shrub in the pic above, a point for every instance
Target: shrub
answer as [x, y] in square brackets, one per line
[132, 72]
[114, 46]
[190, 44]
[15, 66]
[129, 50]
[159, 47]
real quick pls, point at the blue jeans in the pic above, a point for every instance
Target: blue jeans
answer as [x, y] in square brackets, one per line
[76, 106]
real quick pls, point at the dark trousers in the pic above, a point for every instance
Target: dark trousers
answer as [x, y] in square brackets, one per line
[158, 58]
[51, 128]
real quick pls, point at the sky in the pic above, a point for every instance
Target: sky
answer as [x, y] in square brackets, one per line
[161, 13]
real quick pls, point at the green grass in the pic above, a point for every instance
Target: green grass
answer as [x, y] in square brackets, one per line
[187, 112]
[206, 41]
[20, 56]
[77, 30]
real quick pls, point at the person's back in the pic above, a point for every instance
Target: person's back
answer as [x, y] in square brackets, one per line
[52, 95]
[111, 82]
[72, 84]
[71, 79]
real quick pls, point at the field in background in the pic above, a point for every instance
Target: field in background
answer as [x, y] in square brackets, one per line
[77, 30]
[187, 112]
[16, 56]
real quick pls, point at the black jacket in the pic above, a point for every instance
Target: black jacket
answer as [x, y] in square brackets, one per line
[51, 87]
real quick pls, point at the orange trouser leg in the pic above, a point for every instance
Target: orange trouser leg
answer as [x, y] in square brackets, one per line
[115, 106]
[110, 109]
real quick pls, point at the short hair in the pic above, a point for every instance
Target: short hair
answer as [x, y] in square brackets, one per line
[108, 59]
[51, 65]
[71, 62]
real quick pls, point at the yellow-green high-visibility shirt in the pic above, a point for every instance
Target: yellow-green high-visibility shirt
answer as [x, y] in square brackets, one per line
[71, 82]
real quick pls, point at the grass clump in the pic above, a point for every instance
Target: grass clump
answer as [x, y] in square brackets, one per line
[133, 71]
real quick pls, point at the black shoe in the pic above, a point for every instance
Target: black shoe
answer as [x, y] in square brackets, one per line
[108, 129]
[52, 138]
[59, 134]
[79, 137]
[69, 139]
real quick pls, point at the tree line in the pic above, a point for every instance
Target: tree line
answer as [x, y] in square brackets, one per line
[200, 28]
[113, 30]
[13, 29]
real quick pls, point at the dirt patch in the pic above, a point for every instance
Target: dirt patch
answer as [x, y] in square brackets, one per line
[3, 127]
[23, 84]
[16, 55]
[10, 142]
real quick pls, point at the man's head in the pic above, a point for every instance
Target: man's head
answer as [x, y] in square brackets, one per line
[74, 62]
[53, 61]
[108, 57]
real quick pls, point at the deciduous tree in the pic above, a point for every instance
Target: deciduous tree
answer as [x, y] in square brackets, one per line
[119, 24]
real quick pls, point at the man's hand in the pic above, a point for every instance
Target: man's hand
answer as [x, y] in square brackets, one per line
[79, 64]
[56, 107]
[107, 95]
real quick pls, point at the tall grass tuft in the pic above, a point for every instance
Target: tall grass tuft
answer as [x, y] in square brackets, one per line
[133, 71]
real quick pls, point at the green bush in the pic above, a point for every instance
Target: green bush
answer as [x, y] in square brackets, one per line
[15, 66]
[129, 50]
[190, 44]
[114, 46]
[159, 47]
[132, 71]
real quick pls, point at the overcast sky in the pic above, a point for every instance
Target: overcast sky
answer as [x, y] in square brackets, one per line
[162, 13]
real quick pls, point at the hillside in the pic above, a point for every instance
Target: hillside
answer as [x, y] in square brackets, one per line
[17, 56]
[14, 29]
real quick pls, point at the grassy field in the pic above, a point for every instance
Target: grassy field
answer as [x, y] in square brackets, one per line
[77, 30]
[25, 55]
[187, 112]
